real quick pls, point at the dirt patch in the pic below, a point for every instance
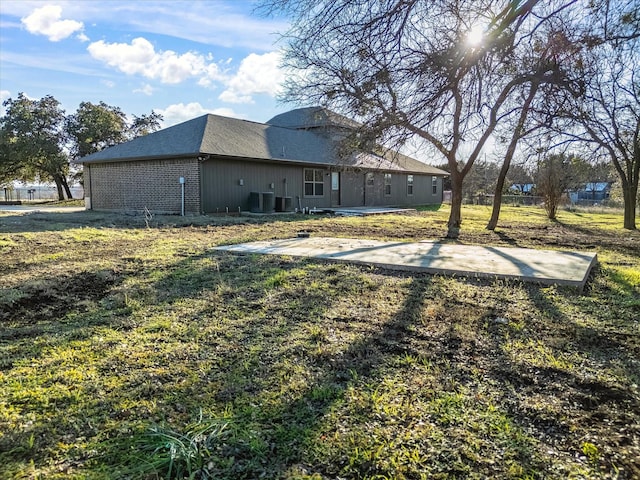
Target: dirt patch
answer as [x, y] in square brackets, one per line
[52, 298]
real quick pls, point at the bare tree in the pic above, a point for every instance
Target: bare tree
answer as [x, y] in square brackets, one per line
[556, 174]
[517, 133]
[609, 117]
[605, 119]
[441, 70]
[532, 96]
[554, 48]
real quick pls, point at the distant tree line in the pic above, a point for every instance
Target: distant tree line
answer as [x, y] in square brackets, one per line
[569, 171]
[38, 140]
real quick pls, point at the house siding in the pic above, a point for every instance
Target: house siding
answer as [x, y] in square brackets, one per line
[352, 188]
[355, 192]
[213, 186]
[225, 160]
[151, 184]
[221, 187]
[423, 190]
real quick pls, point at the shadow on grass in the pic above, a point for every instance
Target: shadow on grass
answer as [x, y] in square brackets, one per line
[506, 238]
[277, 381]
[269, 373]
[267, 345]
[41, 323]
[557, 375]
[601, 236]
[628, 287]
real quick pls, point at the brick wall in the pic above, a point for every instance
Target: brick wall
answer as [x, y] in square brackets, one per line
[152, 184]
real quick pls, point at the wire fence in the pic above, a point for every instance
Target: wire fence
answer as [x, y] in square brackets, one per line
[507, 200]
[36, 193]
[532, 200]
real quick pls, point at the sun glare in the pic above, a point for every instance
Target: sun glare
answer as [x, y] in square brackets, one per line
[475, 36]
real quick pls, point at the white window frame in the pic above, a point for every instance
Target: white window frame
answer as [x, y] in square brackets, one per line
[387, 184]
[409, 185]
[318, 181]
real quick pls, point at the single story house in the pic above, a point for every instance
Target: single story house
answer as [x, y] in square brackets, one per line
[522, 188]
[595, 191]
[216, 164]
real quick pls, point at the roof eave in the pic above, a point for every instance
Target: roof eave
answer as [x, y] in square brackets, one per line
[80, 161]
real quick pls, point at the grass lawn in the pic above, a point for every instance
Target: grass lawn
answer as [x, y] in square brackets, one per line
[135, 351]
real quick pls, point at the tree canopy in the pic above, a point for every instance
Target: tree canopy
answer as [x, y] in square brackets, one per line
[33, 137]
[37, 139]
[95, 127]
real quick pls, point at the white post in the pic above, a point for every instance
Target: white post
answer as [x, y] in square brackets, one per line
[182, 195]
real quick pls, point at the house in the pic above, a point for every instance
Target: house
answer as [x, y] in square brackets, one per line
[522, 188]
[216, 164]
[594, 191]
[591, 193]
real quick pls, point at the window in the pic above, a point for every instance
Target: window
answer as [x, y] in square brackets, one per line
[409, 184]
[434, 185]
[387, 184]
[313, 182]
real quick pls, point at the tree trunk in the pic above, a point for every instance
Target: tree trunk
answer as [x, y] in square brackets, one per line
[630, 195]
[497, 197]
[630, 188]
[455, 217]
[59, 187]
[67, 190]
[517, 132]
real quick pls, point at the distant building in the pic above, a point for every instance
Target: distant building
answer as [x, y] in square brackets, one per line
[522, 188]
[214, 163]
[595, 191]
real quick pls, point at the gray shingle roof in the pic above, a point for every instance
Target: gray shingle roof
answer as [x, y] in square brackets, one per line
[221, 136]
[179, 140]
[310, 117]
[230, 137]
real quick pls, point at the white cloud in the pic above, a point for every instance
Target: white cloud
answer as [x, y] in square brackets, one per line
[108, 83]
[146, 89]
[127, 58]
[47, 21]
[257, 74]
[227, 23]
[140, 57]
[180, 112]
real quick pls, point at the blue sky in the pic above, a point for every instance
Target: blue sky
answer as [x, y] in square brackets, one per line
[181, 58]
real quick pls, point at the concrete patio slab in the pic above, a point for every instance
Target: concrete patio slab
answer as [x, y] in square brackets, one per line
[367, 211]
[524, 264]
